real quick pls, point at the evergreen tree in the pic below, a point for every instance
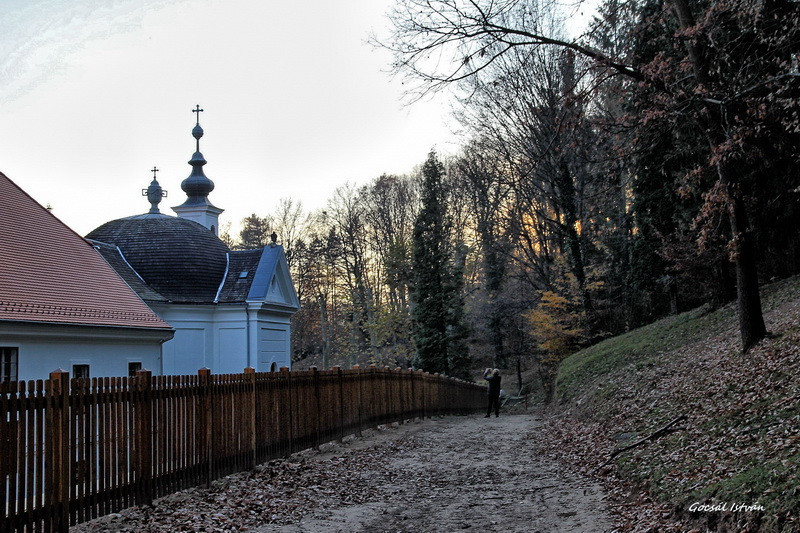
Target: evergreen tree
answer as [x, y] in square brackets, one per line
[255, 232]
[458, 359]
[430, 274]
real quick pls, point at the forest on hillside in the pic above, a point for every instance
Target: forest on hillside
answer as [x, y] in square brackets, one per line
[647, 166]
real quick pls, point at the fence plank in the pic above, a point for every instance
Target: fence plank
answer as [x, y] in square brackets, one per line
[58, 452]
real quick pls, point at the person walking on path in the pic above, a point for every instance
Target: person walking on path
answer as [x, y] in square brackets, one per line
[493, 377]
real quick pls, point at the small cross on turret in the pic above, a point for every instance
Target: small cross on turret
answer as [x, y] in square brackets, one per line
[198, 111]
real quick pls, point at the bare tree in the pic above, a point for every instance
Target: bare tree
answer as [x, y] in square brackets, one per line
[437, 43]
[347, 215]
[290, 222]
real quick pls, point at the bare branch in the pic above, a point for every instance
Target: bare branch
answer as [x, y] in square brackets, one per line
[436, 43]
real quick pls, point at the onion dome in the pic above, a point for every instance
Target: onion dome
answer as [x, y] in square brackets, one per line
[197, 186]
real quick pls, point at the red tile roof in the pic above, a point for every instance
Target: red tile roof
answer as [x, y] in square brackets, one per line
[48, 273]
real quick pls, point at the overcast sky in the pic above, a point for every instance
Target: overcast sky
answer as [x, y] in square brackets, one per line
[95, 93]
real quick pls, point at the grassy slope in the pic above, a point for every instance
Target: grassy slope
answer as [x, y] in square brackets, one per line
[742, 439]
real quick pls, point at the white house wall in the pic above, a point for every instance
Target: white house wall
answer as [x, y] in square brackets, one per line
[43, 349]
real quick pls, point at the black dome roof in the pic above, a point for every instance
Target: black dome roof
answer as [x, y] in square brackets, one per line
[181, 259]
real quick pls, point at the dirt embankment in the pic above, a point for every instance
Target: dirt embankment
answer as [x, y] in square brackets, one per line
[450, 474]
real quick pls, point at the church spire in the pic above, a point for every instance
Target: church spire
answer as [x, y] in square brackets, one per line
[197, 187]
[154, 194]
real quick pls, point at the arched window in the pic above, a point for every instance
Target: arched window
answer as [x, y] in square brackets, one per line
[273, 367]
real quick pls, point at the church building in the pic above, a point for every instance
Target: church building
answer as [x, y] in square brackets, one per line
[230, 309]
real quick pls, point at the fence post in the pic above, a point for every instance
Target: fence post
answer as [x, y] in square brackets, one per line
[438, 388]
[318, 413]
[206, 406]
[388, 379]
[290, 401]
[400, 393]
[358, 382]
[250, 373]
[144, 437]
[338, 371]
[374, 383]
[413, 397]
[419, 395]
[57, 452]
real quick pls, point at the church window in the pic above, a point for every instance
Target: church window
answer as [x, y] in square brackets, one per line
[9, 356]
[273, 367]
[80, 371]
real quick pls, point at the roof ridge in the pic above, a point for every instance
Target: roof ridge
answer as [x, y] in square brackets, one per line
[119, 250]
[224, 276]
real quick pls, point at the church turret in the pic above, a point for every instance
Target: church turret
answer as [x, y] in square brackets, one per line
[197, 188]
[154, 194]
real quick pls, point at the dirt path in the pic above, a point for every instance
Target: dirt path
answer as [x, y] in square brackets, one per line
[462, 473]
[442, 475]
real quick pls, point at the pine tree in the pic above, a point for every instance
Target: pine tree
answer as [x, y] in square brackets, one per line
[429, 274]
[458, 359]
[255, 232]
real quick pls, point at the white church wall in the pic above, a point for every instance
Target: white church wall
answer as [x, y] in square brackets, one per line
[226, 338]
[231, 354]
[213, 336]
[190, 349]
[203, 214]
[273, 347]
[230, 351]
[274, 341]
[185, 353]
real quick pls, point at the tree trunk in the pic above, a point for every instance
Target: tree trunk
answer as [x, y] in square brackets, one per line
[567, 193]
[672, 289]
[748, 296]
[323, 325]
[751, 320]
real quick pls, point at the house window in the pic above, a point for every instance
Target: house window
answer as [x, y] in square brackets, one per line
[80, 371]
[134, 367]
[8, 363]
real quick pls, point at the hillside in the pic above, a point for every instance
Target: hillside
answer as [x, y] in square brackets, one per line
[739, 443]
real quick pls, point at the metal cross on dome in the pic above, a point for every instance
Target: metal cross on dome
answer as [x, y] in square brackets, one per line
[154, 172]
[198, 111]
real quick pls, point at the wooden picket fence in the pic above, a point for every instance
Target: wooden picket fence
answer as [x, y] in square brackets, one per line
[73, 450]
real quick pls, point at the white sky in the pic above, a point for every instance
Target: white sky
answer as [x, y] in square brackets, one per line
[96, 92]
